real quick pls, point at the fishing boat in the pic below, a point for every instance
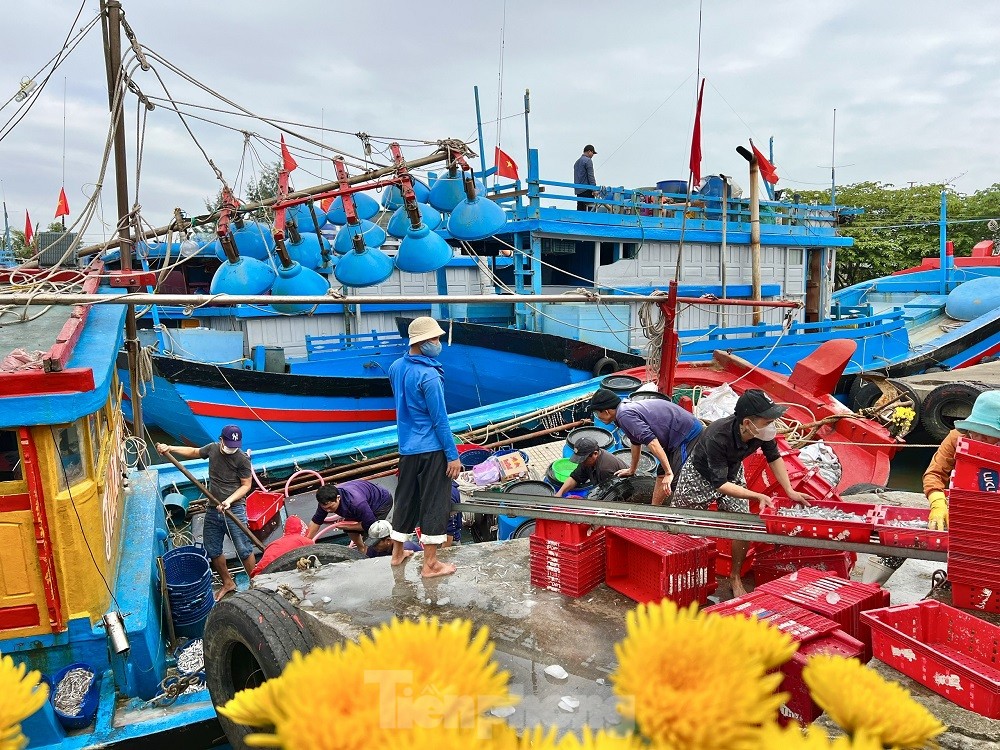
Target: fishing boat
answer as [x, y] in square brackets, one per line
[341, 386]
[80, 532]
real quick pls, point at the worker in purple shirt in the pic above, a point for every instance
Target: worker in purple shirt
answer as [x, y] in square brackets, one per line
[359, 502]
[668, 430]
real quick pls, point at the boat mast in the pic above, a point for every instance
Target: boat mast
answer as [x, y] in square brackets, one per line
[111, 11]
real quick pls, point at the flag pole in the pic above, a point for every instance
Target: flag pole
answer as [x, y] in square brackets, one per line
[694, 174]
[755, 290]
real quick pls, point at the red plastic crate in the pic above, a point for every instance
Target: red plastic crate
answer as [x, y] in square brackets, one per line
[262, 507]
[567, 532]
[815, 634]
[571, 569]
[973, 596]
[838, 599]
[648, 566]
[724, 558]
[951, 652]
[851, 531]
[770, 569]
[977, 466]
[898, 536]
[808, 481]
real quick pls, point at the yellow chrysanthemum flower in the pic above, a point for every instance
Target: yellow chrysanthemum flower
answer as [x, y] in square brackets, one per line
[761, 639]
[407, 679]
[858, 699]
[20, 696]
[794, 737]
[693, 684]
[540, 738]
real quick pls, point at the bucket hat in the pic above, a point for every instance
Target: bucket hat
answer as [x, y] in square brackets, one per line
[985, 415]
[423, 329]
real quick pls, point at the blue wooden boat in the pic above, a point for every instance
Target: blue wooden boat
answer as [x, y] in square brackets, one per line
[80, 533]
[341, 386]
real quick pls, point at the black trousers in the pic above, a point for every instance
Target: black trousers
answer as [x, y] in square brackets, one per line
[582, 205]
[423, 497]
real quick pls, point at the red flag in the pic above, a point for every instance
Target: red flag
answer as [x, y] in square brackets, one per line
[326, 203]
[62, 208]
[696, 139]
[29, 233]
[505, 165]
[287, 162]
[767, 170]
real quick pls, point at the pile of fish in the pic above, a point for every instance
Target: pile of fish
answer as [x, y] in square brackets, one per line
[822, 514]
[71, 691]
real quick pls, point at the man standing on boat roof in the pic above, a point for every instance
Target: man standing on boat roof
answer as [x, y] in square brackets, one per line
[428, 458]
[583, 174]
[359, 502]
[668, 430]
[229, 474]
[596, 465]
[714, 473]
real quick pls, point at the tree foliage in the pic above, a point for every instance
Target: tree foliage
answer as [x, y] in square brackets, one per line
[900, 226]
[263, 187]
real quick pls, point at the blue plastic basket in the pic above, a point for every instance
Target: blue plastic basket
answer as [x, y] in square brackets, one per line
[474, 457]
[185, 569]
[193, 629]
[88, 708]
[193, 615]
[507, 451]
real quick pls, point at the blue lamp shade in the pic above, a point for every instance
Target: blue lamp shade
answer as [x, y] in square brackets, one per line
[476, 220]
[364, 204]
[245, 276]
[373, 234]
[297, 281]
[447, 192]
[393, 197]
[422, 251]
[307, 252]
[303, 217]
[399, 224]
[367, 268]
[253, 240]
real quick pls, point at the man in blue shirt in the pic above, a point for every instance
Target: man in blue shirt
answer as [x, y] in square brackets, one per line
[583, 174]
[668, 430]
[428, 458]
[359, 502]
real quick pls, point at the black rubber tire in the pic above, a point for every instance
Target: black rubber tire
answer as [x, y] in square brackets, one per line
[945, 404]
[604, 366]
[483, 527]
[913, 397]
[325, 553]
[524, 530]
[249, 638]
[865, 394]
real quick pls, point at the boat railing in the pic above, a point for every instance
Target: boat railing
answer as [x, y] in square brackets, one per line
[821, 329]
[328, 345]
[661, 205]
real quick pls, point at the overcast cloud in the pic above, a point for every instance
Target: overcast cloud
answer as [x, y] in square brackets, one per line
[914, 83]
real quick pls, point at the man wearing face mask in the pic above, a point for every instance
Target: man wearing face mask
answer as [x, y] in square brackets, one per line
[229, 474]
[714, 473]
[668, 430]
[428, 458]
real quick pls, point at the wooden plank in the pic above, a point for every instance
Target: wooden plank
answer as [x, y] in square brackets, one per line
[39, 382]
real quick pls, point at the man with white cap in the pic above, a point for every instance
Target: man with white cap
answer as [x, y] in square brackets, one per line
[428, 458]
[379, 542]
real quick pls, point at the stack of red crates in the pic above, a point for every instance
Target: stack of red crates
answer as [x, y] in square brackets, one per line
[781, 560]
[567, 557]
[838, 599]
[648, 566]
[973, 506]
[814, 633]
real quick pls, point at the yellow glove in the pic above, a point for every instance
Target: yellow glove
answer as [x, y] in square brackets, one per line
[938, 519]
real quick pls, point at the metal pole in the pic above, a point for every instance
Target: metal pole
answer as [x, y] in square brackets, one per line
[527, 111]
[725, 247]
[113, 59]
[943, 242]
[479, 131]
[833, 162]
[223, 300]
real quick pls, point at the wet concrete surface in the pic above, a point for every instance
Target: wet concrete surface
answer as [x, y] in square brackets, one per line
[531, 628]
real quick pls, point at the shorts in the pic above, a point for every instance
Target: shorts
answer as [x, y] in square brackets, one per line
[694, 491]
[217, 525]
[423, 498]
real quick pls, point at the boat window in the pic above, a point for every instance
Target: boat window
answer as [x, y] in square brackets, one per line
[10, 457]
[71, 454]
[795, 256]
[95, 441]
[630, 250]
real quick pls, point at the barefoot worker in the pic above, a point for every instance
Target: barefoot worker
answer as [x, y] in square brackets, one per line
[428, 458]
[229, 475]
[714, 472]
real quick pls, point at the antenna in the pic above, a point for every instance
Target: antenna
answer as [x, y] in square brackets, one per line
[833, 162]
[503, 28]
[64, 140]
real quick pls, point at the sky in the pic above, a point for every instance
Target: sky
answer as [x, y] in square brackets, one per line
[914, 83]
